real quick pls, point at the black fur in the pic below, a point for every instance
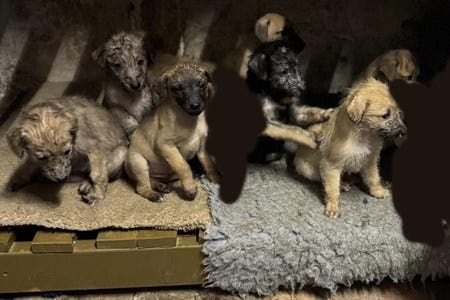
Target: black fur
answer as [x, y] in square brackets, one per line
[274, 75]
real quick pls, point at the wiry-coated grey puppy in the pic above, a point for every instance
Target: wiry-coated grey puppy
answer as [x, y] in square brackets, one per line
[125, 91]
[274, 74]
[70, 135]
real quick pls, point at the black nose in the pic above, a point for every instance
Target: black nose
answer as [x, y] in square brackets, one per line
[403, 130]
[135, 86]
[195, 105]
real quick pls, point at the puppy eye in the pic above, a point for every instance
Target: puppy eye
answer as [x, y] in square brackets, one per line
[117, 66]
[386, 115]
[201, 84]
[410, 77]
[42, 157]
[140, 62]
[176, 88]
[67, 152]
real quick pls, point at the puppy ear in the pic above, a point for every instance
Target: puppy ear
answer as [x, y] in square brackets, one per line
[388, 69]
[17, 141]
[258, 65]
[73, 125]
[98, 55]
[356, 109]
[161, 87]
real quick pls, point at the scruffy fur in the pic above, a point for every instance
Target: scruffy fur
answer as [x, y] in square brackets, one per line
[173, 134]
[394, 64]
[125, 91]
[69, 136]
[351, 141]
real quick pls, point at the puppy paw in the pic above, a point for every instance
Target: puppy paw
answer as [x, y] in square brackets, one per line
[161, 187]
[332, 210]
[214, 177]
[149, 193]
[189, 193]
[380, 192]
[328, 113]
[89, 194]
[16, 185]
[345, 186]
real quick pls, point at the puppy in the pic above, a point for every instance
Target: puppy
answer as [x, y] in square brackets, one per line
[125, 92]
[273, 27]
[268, 28]
[65, 136]
[274, 75]
[394, 64]
[173, 134]
[351, 141]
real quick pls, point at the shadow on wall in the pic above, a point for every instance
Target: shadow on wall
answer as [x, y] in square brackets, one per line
[420, 166]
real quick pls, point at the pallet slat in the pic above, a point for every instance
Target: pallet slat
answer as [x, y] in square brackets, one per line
[6, 240]
[117, 239]
[156, 238]
[52, 242]
[187, 240]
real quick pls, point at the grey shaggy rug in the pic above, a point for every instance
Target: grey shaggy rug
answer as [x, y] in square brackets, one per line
[276, 235]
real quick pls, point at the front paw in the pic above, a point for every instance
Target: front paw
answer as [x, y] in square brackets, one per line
[189, 193]
[17, 184]
[332, 209]
[327, 114]
[149, 193]
[89, 194]
[380, 192]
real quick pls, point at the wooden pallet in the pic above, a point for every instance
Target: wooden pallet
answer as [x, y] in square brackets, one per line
[38, 260]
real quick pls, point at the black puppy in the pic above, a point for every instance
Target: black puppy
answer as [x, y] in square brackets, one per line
[274, 75]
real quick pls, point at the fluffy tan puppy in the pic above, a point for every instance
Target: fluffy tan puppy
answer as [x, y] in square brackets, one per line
[394, 64]
[270, 27]
[173, 134]
[69, 136]
[351, 141]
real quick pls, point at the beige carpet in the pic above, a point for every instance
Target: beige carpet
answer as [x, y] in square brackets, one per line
[59, 206]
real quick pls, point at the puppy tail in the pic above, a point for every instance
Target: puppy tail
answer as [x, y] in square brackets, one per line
[290, 133]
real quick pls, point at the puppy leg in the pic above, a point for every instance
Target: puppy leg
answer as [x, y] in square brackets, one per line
[95, 190]
[331, 179]
[128, 122]
[115, 162]
[208, 165]
[294, 134]
[137, 169]
[371, 177]
[179, 165]
[303, 115]
[23, 175]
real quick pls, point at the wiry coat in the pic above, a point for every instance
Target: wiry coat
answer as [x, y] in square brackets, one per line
[69, 136]
[125, 91]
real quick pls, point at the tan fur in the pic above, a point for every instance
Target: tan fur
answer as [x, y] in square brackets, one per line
[394, 64]
[268, 28]
[67, 136]
[350, 142]
[165, 140]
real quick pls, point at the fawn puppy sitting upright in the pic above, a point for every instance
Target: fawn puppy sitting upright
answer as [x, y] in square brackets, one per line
[174, 133]
[351, 141]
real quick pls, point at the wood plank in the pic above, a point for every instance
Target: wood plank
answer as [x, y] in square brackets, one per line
[156, 238]
[117, 239]
[6, 240]
[52, 242]
[201, 236]
[89, 268]
[187, 240]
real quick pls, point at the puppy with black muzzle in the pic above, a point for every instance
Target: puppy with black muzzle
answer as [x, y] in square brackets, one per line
[69, 136]
[173, 134]
[125, 91]
[351, 141]
[274, 75]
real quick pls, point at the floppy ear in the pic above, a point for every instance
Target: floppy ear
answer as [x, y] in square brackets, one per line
[98, 55]
[356, 109]
[388, 69]
[258, 65]
[161, 87]
[17, 141]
